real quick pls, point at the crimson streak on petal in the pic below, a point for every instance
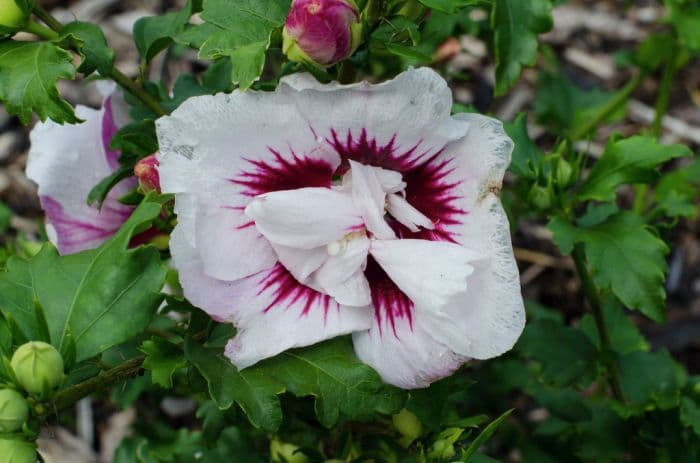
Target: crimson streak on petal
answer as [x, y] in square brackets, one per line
[287, 291]
[283, 174]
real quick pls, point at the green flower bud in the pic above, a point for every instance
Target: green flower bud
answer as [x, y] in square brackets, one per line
[38, 367]
[408, 425]
[13, 16]
[564, 173]
[284, 452]
[14, 411]
[17, 451]
[541, 197]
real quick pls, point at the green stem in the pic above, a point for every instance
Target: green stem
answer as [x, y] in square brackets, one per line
[115, 74]
[618, 100]
[670, 70]
[40, 31]
[594, 301]
[665, 91]
[116, 375]
[130, 86]
[45, 16]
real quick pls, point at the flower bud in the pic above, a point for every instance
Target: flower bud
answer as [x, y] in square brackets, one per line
[408, 425]
[284, 452]
[541, 197]
[14, 411]
[321, 32]
[564, 173]
[146, 170]
[17, 451]
[12, 16]
[38, 367]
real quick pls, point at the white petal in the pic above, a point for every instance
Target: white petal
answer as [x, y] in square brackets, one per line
[230, 246]
[407, 215]
[409, 359]
[369, 197]
[430, 273]
[296, 320]
[342, 277]
[301, 262]
[414, 108]
[304, 218]
[487, 320]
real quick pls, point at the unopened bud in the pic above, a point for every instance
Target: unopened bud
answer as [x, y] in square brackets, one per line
[541, 197]
[13, 16]
[564, 173]
[17, 451]
[38, 367]
[408, 425]
[14, 410]
[322, 32]
[146, 170]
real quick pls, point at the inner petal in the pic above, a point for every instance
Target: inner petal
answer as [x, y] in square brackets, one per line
[305, 218]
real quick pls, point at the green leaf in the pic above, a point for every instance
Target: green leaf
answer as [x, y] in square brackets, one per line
[625, 256]
[254, 391]
[632, 160]
[329, 372]
[93, 300]
[650, 379]
[690, 414]
[516, 24]
[154, 34]
[526, 155]
[244, 32]
[91, 43]
[137, 139]
[407, 52]
[163, 359]
[677, 192]
[624, 334]
[28, 75]
[485, 435]
[100, 191]
[566, 354]
[449, 6]
[565, 107]
[685, 17]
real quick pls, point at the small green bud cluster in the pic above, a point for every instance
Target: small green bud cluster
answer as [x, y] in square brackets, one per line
[37, 368]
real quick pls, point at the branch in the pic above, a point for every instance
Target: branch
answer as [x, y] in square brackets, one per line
[593, 298]
[115, 74]
[67, 397]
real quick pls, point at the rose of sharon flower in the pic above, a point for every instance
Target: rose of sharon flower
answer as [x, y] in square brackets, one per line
[322, 210]
[66, 162]
[322, 32]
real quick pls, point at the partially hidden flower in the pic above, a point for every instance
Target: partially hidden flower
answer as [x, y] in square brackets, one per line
[322, 210]
[321, 32]
[14, 14]
[66, 162]
[146, 171]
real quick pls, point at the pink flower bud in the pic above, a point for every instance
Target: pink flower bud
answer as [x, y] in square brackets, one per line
[146, 170]
[322, 32]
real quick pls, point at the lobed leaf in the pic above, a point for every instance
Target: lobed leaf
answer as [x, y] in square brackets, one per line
[28, 75]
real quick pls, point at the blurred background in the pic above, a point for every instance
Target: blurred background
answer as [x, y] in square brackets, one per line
[583, 59]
